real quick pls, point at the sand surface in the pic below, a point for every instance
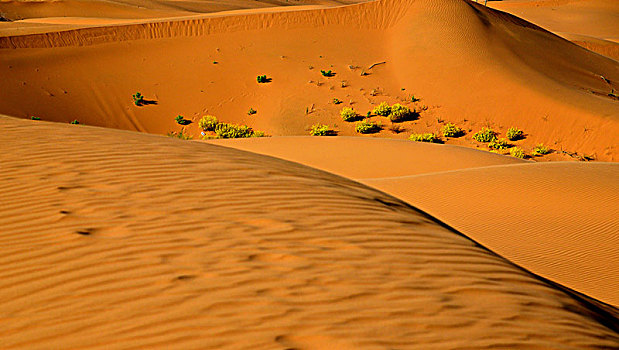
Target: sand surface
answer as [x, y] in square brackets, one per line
[468, 64]
[113, 239]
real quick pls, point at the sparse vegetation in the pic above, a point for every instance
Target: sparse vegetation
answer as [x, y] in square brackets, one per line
[367, 127]
[35, 118]
[540, 150]
[233, 131]
[251, 111]
[517, 152]
[414, 99]
[396, 129]
[263, 79]
[451, 130]
[484, 135]
[514, 134]
[321, 130]
[208, 123]
[138, 99]
[400, 113]
[336, 101]
[75, 121]
[425, 137]
[181, 120]
[348, 114]
[180, 135]
[383, 109]
[327, 73]
[498, 144]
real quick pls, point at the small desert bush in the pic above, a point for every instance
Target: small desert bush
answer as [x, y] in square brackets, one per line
[75, 121]
[138, 99]
[233, 131]
[208, 123]
[321, 130]
[517, 152]
[35, 118]
[540, 149]
[425, 137]
[400, 113]
[484, 135]
[348, 114]
[251, 111]
[514, 134]
[451, 130]
[180, 135]
[327, 73]
[498, 144]
[367, 127]
[337, 101]
[181, 120]
[382, 109]
[262, 79]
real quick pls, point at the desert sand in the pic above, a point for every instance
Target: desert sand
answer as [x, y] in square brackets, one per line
[114, 236]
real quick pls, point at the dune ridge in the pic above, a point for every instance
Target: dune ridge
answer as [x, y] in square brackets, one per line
[220, 248]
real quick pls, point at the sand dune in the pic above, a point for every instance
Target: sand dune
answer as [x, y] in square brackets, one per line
[113, 239]
[469, 64]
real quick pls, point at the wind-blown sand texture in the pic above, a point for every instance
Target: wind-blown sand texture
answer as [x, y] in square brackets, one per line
[469, 64]
[113, 239]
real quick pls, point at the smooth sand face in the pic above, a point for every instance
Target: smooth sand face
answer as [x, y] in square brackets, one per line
[469, 65]
[113, 239]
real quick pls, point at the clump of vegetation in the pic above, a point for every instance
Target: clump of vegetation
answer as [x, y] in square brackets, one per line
[321, 130]
[336, 101]
[517, 152]
[263, 79]
[35, 118]
[75, 122]
[540, 150]
[251, 111]
[180, 135]
[348, 114]
[382, 109]
[396, 129]
[498, 144]
[327, 73]
[414, 99]
[400, 113]
[208, 123]
[451, 130]
[233, 131]
[425, 137]
[181, 120]
[514, 134]
[138, 99]
[367, 127]
[484, 135]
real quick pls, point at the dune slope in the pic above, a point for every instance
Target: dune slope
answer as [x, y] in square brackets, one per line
[469, 64]
[114, 239]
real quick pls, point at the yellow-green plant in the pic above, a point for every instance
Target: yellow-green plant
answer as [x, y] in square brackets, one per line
[517, 152]
[451, 130]
[367, 127]
[540, 149]
[425, 137]
[498, 144]
[484, 135]
[348, 114]
[321, 130]
[208, 123]
[383, 109]
[514, 134]
[400, 113]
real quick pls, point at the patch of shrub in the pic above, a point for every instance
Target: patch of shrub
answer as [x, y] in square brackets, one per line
[35, 118]
[498, 144]
[451, 130]
[321, 130]
[327, 73]
[514, 134]
[425, 137]
[540, 150]
[383, 109]
[74, 122]
[263, 79]
[180, 135]
[484, 135]
[251, 111]
[517, 152]
[181, 120]
[336, 101]
[138, 99]
[414, 99]
[367, 127]
[400, 113]
[208, 123]
[233, 131]
[348, 114]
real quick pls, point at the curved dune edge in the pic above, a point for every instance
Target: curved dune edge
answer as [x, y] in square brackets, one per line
[558, 220]
[169, 244]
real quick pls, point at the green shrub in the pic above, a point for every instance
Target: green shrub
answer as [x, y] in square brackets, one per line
[321, 130]
[35, 118]
[180, 135]
[208, 123]
[181, 120]
[540, 149]
[426, 137]
[327, 73]
[451, 130]
[138, 99]
[414, 99]
[498, 144]
[382, 109]
[233, 131]
[367, 127]
[517, 152]
[348, 114]
[400, 113]
[251, 111]
[259, 134]
[514, 134]
[74, 122]
[484, 135]
[263, 79]
[336, 101]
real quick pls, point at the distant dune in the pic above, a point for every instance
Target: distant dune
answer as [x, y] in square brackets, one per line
[114, 239]
[469, 64]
